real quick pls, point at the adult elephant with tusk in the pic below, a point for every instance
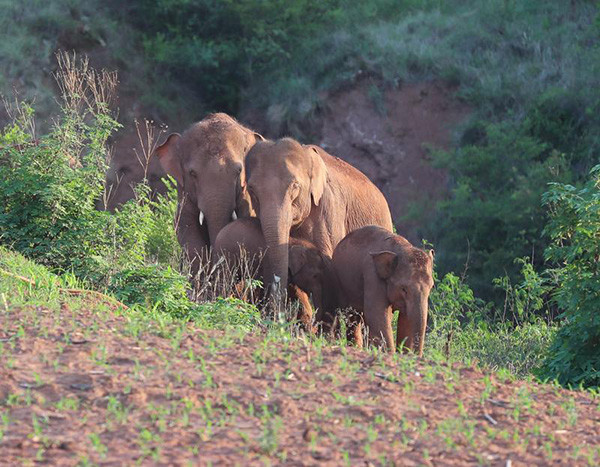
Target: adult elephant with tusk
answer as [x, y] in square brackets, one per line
[207, 161]
[301, 189]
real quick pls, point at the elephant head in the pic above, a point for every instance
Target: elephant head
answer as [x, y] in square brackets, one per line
[408, 275]
[126, 170]
[285, 181]
[207, 161]
[313, 272]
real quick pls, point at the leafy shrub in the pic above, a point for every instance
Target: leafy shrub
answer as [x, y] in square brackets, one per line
[156, 288]
[49, 188]
[513, 337]
[574, 231]
[526, 301]
[493, 214]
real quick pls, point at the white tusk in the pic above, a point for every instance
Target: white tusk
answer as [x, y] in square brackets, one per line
[201, 218]
[233, 215]
[276, 285]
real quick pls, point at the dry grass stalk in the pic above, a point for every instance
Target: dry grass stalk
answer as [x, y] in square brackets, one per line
[20, 114]
[227, 277]
[84, 90]
[148, 136]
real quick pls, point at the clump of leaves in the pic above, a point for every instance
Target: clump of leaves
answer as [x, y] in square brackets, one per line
[49, 187]
[574, 231]
[161, 289]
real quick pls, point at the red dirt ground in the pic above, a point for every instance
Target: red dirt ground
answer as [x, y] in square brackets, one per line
[82, 386]
[389, 143]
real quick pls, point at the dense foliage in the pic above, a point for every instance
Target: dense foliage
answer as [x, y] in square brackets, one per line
[49, 188]
[574, 231]
[494, 214]
[224, 47]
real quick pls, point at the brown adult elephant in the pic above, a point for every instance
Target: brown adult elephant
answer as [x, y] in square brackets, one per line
[207, 162]
[315, 196]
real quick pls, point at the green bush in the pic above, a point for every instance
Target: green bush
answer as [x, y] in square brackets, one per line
[156, 288]
[574, 232]
[49, 188]
[514, 337]
[493, 214]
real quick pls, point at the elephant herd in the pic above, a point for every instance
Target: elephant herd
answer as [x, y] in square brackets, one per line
[323, 228]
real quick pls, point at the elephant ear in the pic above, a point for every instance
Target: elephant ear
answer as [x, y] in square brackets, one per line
[168, 158]
[252, 137]
[318, 175]
[297, 259]
[385, 263]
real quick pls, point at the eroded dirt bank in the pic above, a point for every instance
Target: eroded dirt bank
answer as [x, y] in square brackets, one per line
[386, 133]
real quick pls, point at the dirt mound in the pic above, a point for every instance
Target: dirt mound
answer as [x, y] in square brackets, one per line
[384, 133]
[83, 386]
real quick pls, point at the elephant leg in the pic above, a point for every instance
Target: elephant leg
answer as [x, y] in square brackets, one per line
[305, 310]
[378, 313]
[354, 328]
[379, 323]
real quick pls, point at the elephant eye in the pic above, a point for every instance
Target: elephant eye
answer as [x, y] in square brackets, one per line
[294, 189]
[193, 173]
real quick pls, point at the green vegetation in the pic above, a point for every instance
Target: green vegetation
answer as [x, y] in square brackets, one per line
[574, 230]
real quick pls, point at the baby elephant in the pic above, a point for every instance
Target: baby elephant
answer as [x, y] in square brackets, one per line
[310, 271]
[381, 272]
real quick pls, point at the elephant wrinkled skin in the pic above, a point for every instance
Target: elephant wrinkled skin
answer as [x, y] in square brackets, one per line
[305, 192]
[381, 272]
[207, 162]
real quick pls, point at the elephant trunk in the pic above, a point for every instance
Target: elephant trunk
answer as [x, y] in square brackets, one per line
[219, 207]
[417, 324]
[276, 224]
[217, 219]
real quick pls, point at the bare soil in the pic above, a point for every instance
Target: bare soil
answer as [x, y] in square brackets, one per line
[92, 386]
[387, 134]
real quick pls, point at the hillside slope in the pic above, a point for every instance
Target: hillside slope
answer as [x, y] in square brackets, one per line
[82, 382]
